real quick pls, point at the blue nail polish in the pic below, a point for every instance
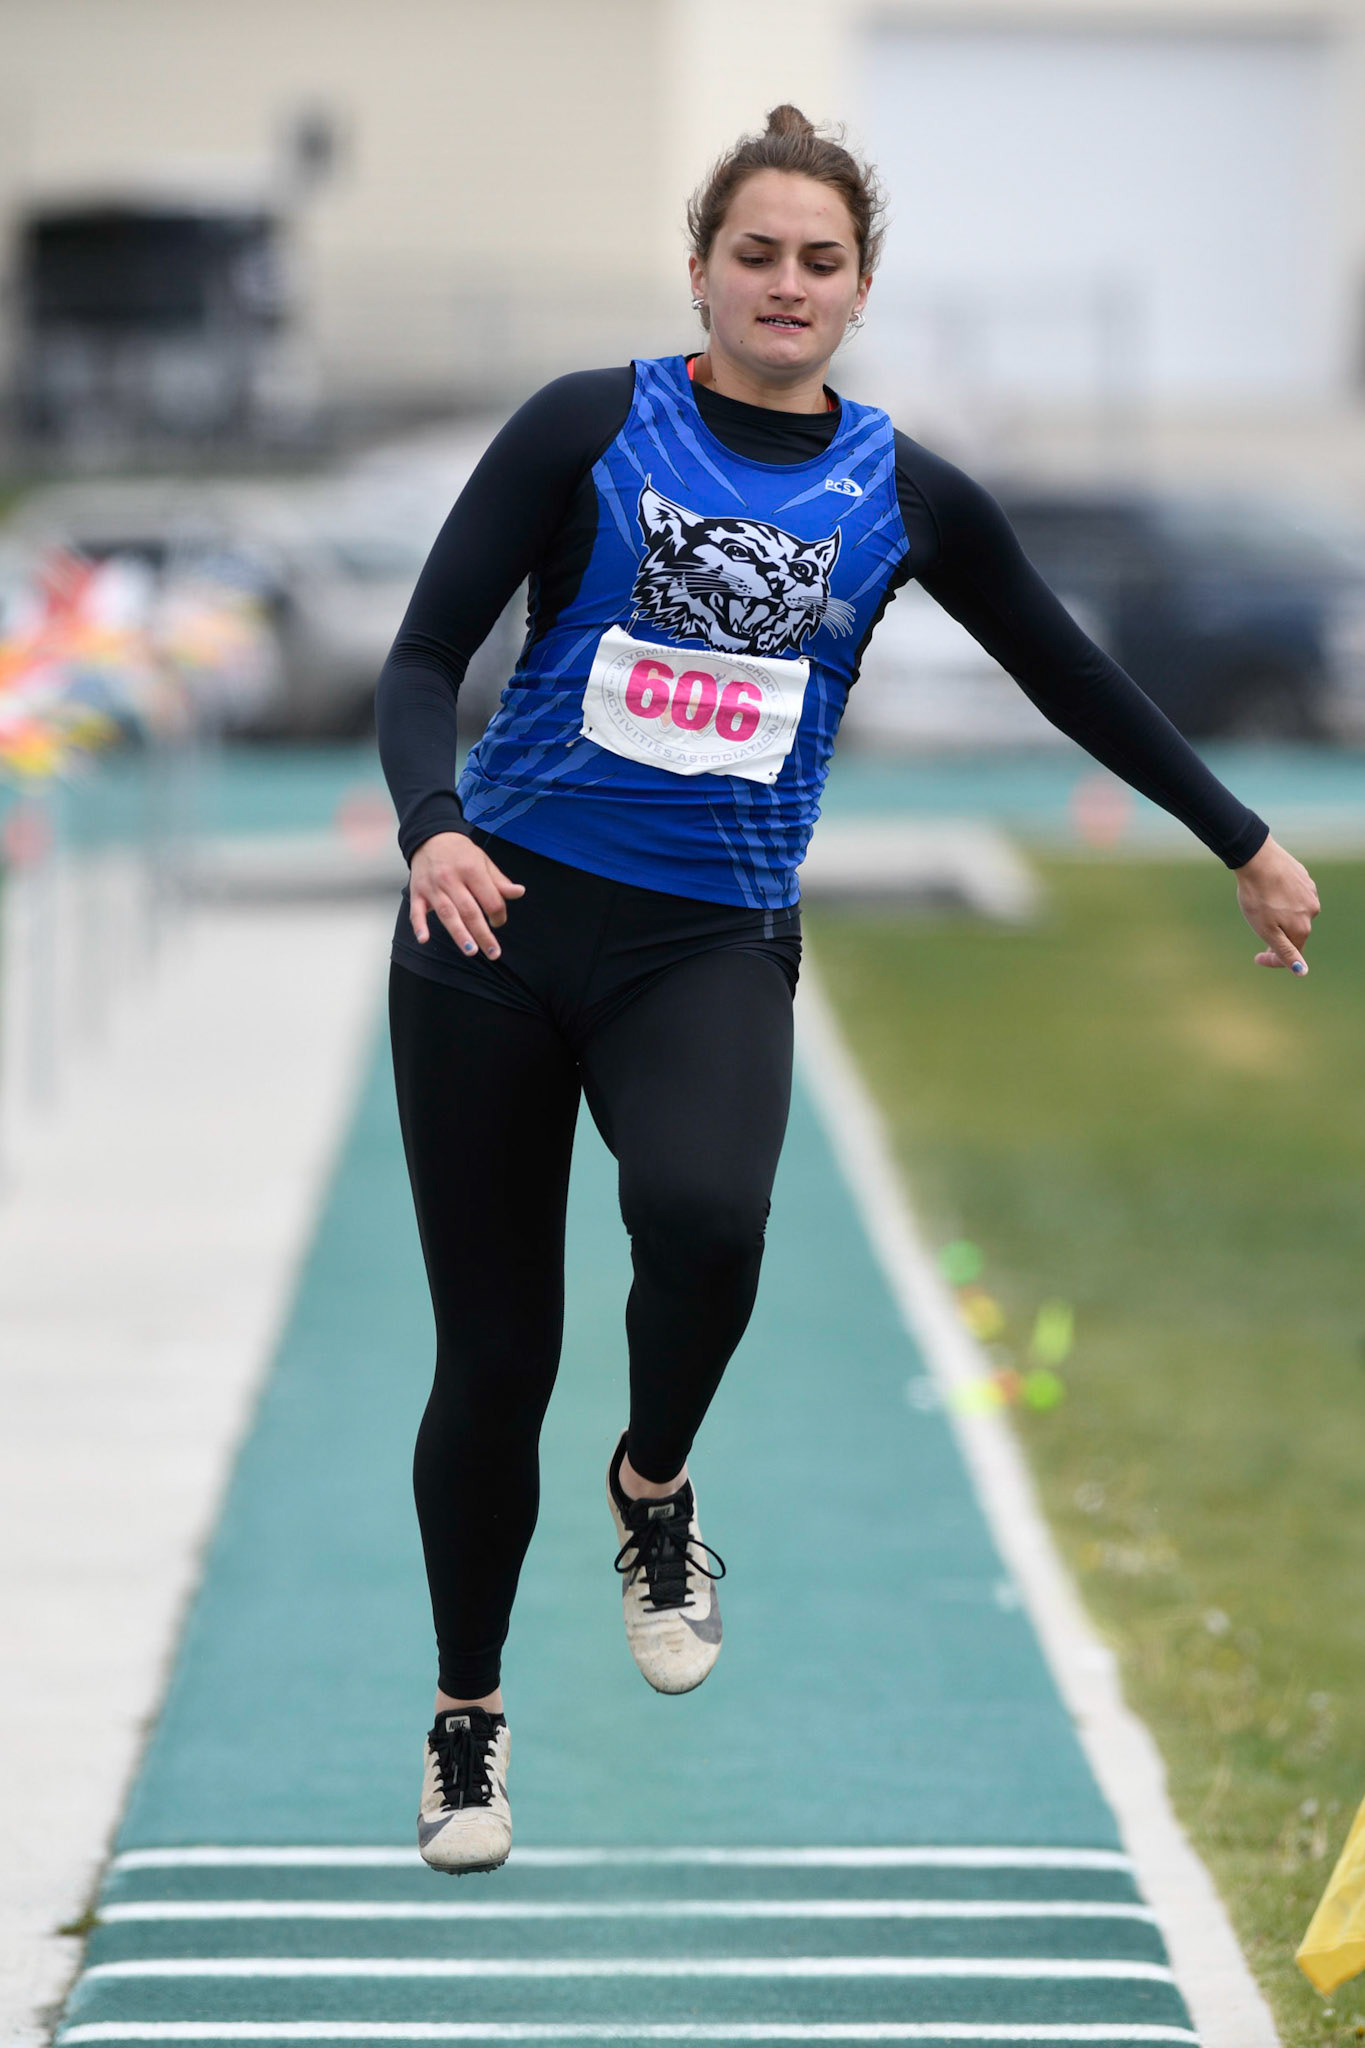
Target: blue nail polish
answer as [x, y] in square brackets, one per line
[1299, 967]
[471, 947]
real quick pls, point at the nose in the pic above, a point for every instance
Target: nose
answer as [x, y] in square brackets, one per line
[788, 282]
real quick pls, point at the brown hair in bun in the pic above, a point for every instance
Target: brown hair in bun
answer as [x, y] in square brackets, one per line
[791, 143]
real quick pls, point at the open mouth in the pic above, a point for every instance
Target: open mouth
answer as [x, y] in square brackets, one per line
[785, 323]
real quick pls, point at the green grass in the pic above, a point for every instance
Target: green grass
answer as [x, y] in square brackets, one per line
[12, 489]
[1123, 1111]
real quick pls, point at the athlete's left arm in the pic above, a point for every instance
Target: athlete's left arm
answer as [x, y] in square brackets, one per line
[982, 576]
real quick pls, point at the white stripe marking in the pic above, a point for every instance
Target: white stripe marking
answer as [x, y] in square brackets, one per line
[1049, 1969]
[653, 1909]
[208, 1858]
[1226, 2002]
[461, 2030]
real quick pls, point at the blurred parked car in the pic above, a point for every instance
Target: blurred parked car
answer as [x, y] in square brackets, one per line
[1239, 617]
[340, 573]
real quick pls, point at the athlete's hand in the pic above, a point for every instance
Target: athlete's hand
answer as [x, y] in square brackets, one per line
[1278, 900]
[456, 880]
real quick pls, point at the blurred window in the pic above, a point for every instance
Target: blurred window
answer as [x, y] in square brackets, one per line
[153, 551]
[119, 267]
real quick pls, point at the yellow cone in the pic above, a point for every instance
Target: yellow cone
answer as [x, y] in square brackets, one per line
[1334, 1947]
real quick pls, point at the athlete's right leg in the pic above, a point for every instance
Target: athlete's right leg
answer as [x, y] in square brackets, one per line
[487, 1099]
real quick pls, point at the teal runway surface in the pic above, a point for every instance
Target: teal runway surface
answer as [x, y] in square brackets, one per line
[873, 1822]
[1027, 791]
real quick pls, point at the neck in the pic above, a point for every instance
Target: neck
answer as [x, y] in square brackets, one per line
[804, 391]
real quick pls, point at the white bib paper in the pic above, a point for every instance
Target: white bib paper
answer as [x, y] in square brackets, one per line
[694, 713]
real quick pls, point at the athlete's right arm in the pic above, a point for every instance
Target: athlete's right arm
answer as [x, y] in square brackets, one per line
[497, 533]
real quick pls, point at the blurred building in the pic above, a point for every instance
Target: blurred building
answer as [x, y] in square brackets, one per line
[1111, 218]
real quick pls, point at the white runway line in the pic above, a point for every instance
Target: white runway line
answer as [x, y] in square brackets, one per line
[1224, 1998]
[208, 1857]
[654, 1909]
[1061, 1969]
[460, 2030]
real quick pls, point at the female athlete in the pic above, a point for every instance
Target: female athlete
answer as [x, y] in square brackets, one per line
[710, 541]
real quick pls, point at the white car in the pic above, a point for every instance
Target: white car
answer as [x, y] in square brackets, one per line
[926, 683]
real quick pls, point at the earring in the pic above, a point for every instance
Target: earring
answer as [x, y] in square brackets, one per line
[855, 320]
[698, 305]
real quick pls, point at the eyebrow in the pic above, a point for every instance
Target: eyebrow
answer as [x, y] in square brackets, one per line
[771, 241]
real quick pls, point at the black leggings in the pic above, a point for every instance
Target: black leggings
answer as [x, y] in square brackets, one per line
[674, 1019]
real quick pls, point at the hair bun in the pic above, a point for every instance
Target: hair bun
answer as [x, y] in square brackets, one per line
[788, 120]
[790, 144]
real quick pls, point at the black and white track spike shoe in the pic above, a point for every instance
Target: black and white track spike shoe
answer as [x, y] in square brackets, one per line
[464, 1822]
[671, 1610]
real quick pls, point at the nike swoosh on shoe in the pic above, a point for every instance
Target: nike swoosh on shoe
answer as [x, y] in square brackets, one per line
[708, 1629]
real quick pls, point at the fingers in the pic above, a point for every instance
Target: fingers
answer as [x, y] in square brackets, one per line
[462, 915]
[1279, 900]
[487, 891]
[490, 894]
[466, 892]
[508, 888]
[1281, 952]
[1283, 934]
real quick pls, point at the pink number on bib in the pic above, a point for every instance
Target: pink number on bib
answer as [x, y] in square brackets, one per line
[647, 690]
[740, 705]
[691, 712]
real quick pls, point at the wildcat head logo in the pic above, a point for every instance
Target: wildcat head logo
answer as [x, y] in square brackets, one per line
[740, 585]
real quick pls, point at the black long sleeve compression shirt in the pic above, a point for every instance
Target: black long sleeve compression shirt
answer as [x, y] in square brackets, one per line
[530, 511]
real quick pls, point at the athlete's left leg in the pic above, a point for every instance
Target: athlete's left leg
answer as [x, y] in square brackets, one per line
[690, 1086]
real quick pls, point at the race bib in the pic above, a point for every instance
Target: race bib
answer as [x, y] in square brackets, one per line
[693, 713]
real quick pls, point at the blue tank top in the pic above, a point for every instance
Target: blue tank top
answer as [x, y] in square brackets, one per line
[673, 727]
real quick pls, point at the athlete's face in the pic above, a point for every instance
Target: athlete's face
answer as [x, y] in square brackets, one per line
[782, 278]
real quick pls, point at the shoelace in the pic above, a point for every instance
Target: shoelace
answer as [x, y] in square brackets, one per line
[464, 1760]
[664, 1547]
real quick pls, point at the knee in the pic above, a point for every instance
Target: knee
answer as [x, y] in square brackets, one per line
[696, 1225]
[492, 1393]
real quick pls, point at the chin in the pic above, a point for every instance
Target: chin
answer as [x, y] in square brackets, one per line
[792, 351]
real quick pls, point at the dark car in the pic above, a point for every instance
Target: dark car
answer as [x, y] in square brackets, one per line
[1237, 617]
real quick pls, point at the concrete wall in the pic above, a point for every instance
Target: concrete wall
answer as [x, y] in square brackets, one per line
[510, 194]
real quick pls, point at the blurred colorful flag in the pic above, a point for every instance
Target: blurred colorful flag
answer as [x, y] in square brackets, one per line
[95, 652]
